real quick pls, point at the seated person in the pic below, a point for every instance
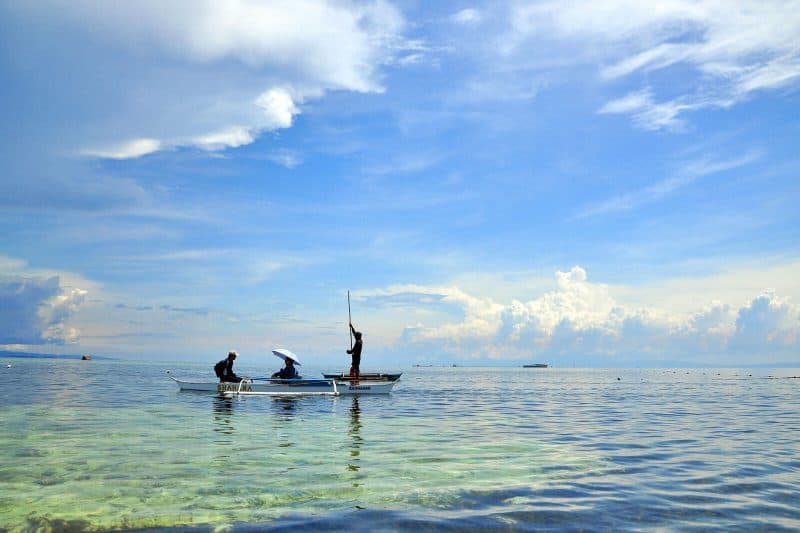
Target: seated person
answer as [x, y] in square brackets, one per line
[224, 369]
[288, 371]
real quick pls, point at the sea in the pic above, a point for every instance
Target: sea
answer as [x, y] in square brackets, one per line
[115, 446]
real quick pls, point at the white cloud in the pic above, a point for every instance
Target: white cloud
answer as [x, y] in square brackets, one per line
[468, 16]
[263, 269]
[580, 319]
[286, 158]
[13, 268]
[227, 138]
[690, 172]
[220, 268]
[716, 319]
[648, 114]
[278, 107]
[37, 305]
[35, 311]
[500, 87]
[203, 73]
[55, 313]
[336, 44]
[126, 150]
[766, 324]
[10, 264]
[732, 49]
[630, 103]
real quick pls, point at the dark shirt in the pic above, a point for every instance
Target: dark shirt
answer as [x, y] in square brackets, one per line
[287, 372]
[356, 351]
[227, 369]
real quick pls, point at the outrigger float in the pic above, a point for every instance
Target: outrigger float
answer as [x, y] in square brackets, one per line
[345, 376]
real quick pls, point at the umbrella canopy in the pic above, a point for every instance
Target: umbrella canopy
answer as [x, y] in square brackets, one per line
[286, 354]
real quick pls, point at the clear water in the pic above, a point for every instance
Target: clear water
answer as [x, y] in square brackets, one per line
[114, 445]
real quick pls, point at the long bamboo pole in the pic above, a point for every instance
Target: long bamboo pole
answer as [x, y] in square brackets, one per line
[349, 320]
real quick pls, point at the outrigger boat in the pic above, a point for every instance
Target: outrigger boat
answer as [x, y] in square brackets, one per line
[333, 386]
[287, 387]
[368, 376]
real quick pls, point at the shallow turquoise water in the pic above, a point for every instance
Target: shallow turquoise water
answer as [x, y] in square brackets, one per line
[105, 445]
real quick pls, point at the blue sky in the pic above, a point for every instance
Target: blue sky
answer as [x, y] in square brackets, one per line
[604, 183]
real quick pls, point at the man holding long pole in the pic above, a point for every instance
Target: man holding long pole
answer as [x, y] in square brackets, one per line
[355, 350]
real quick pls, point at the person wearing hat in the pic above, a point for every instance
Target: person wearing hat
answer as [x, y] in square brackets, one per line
[224, 369]
[288, 371]
[356, 353]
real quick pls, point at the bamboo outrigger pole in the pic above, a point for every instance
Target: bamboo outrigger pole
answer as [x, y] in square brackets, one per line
[349, 320]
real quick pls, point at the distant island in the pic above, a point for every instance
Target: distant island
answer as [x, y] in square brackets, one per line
[28, 355]
[535, 365]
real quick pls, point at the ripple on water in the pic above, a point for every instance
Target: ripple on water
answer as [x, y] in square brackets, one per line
[541, 451]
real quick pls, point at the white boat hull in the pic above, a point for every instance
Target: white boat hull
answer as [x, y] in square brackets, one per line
[288, 387]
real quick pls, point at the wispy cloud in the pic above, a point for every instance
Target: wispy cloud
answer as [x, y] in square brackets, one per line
[278, 108]
[403, 164]
[285, 157]
[731, 51]
[690, 172]
[468, 16]
[221, 266]
[227, 138]
[648, 114]
[126, 150]
[199, 311]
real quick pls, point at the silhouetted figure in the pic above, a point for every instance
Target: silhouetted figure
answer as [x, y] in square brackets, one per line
[224, 369]
[356, 353]
[288, 371]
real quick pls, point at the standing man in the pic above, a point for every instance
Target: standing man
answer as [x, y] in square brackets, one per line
[356, 353]
[224, 369]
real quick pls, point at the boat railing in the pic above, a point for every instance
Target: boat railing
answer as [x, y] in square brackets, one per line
[295, 381]
[300, 381]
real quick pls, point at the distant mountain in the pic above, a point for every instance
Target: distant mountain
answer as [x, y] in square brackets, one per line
[28, 355]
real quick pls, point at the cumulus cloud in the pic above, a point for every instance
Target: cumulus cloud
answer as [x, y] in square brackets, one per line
[215, 74]
[337, 44]
[279, 108]
[731, 51]
[36, 311]
[768, 323]
[580, 318]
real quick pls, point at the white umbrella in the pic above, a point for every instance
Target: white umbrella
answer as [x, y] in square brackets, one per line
[286, 354]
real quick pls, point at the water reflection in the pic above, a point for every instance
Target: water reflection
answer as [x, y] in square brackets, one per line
[223, 415]
[285, 406]
[224, 430]
[355, 436]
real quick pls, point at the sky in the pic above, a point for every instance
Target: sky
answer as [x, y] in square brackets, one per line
[609, 183]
